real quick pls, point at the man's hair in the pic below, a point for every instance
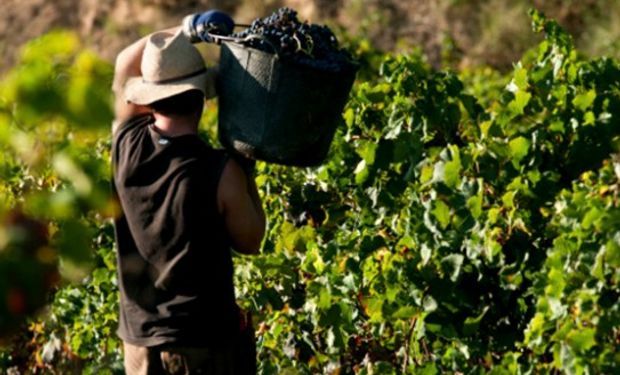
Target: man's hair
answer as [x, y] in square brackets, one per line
[183, 104]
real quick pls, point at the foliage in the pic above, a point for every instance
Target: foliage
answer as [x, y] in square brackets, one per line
[55, 116]
[577, 309]
[461, 224]
[419, 246]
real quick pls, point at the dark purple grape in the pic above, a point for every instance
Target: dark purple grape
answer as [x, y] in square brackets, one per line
[310, 45]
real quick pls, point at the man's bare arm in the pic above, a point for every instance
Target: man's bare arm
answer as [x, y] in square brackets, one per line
[127, 65]
[241, 207]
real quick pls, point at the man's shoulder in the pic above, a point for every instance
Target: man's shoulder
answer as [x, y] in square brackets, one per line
[132, 124]
[128, 141]
[197, 145]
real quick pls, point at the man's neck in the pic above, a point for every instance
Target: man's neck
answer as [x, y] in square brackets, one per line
[174, 126]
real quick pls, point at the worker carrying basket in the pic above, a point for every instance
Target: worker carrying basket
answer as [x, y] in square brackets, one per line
[282, 86]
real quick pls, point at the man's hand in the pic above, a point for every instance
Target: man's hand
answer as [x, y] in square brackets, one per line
[198, 26]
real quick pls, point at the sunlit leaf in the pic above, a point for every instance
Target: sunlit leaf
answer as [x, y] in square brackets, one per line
[584, 100]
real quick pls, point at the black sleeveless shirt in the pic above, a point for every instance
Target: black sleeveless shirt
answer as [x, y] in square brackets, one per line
[175, 269]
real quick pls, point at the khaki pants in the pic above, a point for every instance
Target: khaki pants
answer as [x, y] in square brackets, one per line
[178, 361]
[238, 358]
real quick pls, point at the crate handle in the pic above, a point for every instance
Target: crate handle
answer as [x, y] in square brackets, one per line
[222, 38]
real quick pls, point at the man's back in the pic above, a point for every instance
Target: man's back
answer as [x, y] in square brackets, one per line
[174, 259]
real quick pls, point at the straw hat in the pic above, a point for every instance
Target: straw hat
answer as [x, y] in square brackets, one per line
[170, 65]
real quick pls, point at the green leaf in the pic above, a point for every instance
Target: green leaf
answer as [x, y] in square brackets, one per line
[367, 150]
[427, 173]
[592, 218]
[556, 283]
[598, 269]
[449, 171]
[375, 308]
[361, 172]
[534, 331]
[378, 93]
[612, 252]
[405, 312]
[451, 175]
[474, 203]
[582, 339]
[100, 276]
[519, 148]
[427, 369]
[585, 100]
[508, 199]
[471, 324]
[425, 253]
[294, 239]
[451, 265]
[517, 106]
[314, 261]
[325, 299]
[349, 117]
[442, 213]
[520, 78]
[429, 304]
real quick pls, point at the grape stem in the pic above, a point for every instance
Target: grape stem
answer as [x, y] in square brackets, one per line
[307, 51]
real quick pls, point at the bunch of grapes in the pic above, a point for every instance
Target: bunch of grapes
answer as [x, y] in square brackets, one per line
[307, 44]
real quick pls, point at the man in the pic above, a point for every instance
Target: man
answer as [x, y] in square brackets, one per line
[184, 205]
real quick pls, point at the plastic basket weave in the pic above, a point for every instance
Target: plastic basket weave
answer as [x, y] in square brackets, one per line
[275, 111]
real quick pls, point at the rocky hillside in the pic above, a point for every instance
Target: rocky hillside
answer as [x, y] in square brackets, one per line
[468, 32]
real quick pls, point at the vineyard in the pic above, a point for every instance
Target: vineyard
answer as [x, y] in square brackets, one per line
[464, 222]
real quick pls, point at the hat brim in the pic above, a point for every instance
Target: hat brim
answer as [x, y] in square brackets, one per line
[140, 92]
